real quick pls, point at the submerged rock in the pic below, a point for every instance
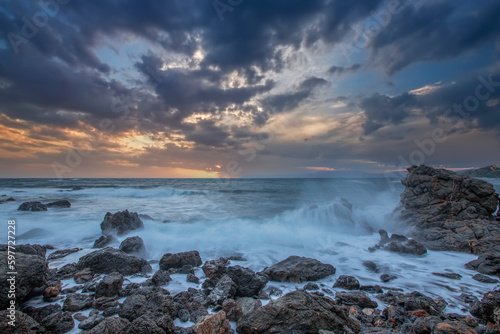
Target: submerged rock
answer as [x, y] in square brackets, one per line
[32, 206]
[411, 246]
[133, 245]
[109, 260]
[121, 223]
[62, 253]
[298, 311]
[347, 282]
[299, 269]
[104, 240]
[59, 204]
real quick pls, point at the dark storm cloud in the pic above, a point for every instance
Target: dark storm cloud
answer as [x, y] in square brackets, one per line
[435, 31]
[339, 70]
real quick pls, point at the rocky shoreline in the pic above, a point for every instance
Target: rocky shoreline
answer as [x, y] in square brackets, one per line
[116, 290]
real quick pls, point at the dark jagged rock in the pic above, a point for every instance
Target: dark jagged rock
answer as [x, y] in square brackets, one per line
[484, 279]
[59, 204]
[38, 314]
[191, 278]
[104, 240]
[104, 303]
[121, 223]
[91, 322]
[59, 254]
[448, 275]
[372, 288]
[224, 289]
[133, 245]
[32, 206]
[233, 312]
[248, 305]
[67, 271]
[76, 302]
[109, 260]
[190, 305]
[298, 311]
[58, 323]
[347, 282]
[23, 323]
[492, 171]
[488, 264]
[248, 283]
[450, 211]
[355, 298]
[179, 260]
[83, 276]
[213, 324]
[371, 266]
[109, 326]
[32, 273]
[413, 302]
[152, 325]
[485, 309]
[412, 247]
[299, 269]
[160, 277]
[150, 300]
[311, 287]
[110, 286]
[387, 278]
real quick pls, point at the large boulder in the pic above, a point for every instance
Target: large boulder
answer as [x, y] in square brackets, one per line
[133, 245]
[486, 308]
[121, 222]
[179, 260]
[32, 273]
[450, 211]
[110, 260]
[59, 204]
[299, 269]
[300, 312]
[32, 206]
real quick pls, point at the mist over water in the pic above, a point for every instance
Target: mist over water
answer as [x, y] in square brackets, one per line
[263, 220]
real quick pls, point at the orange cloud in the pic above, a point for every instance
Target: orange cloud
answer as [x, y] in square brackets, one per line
[321, 168]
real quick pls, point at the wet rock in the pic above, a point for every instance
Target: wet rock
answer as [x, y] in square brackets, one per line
[384, 237]
[371, 288]
[76, 302]
[179, 260]
[484, 279]
[152, 325]
[91, 322]
[23, 323]
[347, 282]
[247, 304]
[150, 300]
[121, 223]
[90, 286]
[215, 268]
[411, 246]
[191, 278]
[449, 275]
[298, 311]
[264, 295]
[213, 324]
[371, 266]
[110, 286]
[83, 276]
[109, 260]
[488, 264]
[67, 271]
[224, 289]
[58, 323]
[355, 298]
[413, 302]
[104, 303]
[32, 273]
[38, 314]
[191, 305]
[161, 277]
[299, 269]
[63, 253]
[248, 283]
[311, 287]
[133, 245]
[59, 204]
[32, 206]
[104, 240]
[109, 326]
[233, 312]
[485, 309]
[51, 292]
[387, 278]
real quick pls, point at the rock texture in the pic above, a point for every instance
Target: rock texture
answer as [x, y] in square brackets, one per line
[104, 240]
[492, 171]
[179, 260]
[133, 245]
[59, 204]
[32, 206]
[110, 260]
[121, 223]
[450, 211]
[298, 312]
[213, 324]
[299, 269]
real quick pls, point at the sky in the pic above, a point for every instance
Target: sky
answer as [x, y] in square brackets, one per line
[239, 88]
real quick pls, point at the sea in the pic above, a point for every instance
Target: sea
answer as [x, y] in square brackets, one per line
[261, 220]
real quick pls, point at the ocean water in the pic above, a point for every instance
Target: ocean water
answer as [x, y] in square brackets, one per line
[262, 220]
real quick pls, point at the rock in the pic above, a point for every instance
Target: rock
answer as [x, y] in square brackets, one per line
[264, 295]
[161, 277]
[58, 323]
[355, 298]
[449, 211]
[63, 253]
[179, 260]
[413, 302]
[110, 286]
[109, 260]
[76, 302]
[23, 323]
[448, 275]
[83, 276]
[121, 223]
[213, 324]
[191, 305]
[150, 300]
[59, 204]
[484, 279]
[112, 325]
[233, 312]
[371, 266]
[152, 325]
[347, 282]
[384, 237]
[67, 271]
[371, 288]
[492, 171]
[32, 273]
[248, 283]
[38, 314]
[133, 245]
[51, 292]
[90, 286]
[104, 240]
[248, 305]
[298, 311]
[299, 269]
[485, 309]
[408, 247]
[191, 278]
[104, 303]
[224, 289]
[32, 206]
[91, 322]
[386, 278]
[311, 287]
[215, 268]
[488, 264]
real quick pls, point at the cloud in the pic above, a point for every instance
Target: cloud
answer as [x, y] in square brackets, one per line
[339, 70]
